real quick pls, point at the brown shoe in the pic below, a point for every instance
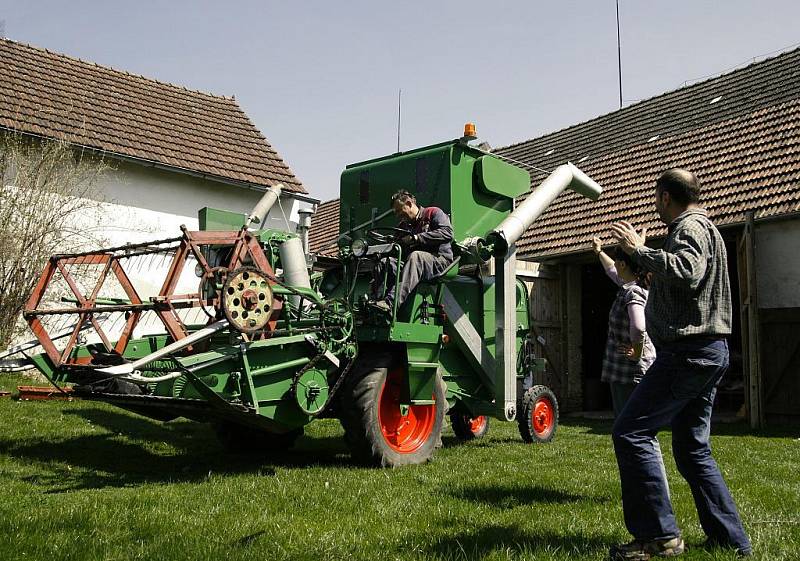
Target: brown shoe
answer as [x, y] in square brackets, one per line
[643, 551]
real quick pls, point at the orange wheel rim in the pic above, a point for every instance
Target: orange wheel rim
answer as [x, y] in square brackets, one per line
[403, 433]
[542, 417]
[477, 424]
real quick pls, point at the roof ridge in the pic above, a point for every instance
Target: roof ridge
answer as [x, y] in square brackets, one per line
[74, 59]
[649, 100]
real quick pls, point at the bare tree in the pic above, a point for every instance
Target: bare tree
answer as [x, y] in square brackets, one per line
[47, 186]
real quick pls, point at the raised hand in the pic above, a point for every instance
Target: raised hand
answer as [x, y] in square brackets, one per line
[627, 236]
[597, 245]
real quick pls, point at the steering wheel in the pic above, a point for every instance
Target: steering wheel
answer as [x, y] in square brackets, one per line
[384, 234]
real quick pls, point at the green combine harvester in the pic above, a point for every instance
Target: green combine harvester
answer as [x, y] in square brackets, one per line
[262, 346]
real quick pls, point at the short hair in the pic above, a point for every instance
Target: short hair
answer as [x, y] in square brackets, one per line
[642, 278]
[618, 254]
[682, 185]
[403, 196]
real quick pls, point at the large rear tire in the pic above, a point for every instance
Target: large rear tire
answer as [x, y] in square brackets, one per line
[538, 417]
[241, 439]
[466, 427]
[376, 431]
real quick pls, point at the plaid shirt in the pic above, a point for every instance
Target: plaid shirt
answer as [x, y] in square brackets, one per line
[617, 367]
[690, 293]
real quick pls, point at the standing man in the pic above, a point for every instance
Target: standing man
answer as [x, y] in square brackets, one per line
[429, 237]
[688, 317]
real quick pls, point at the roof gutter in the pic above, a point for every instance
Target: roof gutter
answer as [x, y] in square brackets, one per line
[157, 165]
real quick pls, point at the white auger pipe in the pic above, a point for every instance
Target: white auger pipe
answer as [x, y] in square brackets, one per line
[265, 203]
[129, 367]
[567, 175]
[503, 239]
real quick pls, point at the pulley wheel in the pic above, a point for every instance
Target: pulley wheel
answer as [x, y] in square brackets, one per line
[247, 299]
[311, 391]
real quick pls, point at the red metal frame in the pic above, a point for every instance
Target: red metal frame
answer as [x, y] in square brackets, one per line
[165, 305]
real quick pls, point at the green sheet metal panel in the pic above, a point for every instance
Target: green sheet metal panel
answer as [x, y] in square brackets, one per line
[478, 210]
[219, 220]
[501, 178]
[474, 189]
[366, 187]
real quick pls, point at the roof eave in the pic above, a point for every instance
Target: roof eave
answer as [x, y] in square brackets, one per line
[175, 169]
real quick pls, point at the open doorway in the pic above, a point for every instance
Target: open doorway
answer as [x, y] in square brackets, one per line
[597, 298]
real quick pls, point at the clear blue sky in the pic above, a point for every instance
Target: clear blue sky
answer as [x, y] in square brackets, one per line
[320, 78]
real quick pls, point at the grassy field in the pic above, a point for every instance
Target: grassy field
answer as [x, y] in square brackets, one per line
[85, 481]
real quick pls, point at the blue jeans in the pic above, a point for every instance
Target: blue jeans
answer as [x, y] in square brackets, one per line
[677, 391]
[620, 393]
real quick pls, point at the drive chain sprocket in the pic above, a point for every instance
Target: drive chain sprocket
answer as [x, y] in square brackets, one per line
[331, 393]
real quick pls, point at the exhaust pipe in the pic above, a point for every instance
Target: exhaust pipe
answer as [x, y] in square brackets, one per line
[303, 227]
[295, 269]
[511, 229]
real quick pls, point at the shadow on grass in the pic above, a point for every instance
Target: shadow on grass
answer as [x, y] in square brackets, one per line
[450, 441]
[718, 428]
[508, 496]
[133, 450]
[246, 541]
[513, 541]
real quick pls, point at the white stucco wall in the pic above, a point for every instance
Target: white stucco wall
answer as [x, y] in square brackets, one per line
[142, 203]
[139, 204]
[777, 264]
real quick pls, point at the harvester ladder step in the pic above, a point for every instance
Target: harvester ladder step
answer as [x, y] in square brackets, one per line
[422, 365]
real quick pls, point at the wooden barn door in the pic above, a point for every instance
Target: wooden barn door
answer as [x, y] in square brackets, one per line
[751, 327]
[546, 313]
[780, 364]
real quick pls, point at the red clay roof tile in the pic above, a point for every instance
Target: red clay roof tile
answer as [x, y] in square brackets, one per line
[56, 96]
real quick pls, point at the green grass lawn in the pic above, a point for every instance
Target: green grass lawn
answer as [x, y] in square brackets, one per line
[86, 481]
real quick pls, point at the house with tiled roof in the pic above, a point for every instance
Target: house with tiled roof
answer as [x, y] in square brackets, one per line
[740, 132]
[326, 222]
[173, 150]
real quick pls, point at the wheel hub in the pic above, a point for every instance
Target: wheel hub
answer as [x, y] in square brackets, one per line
[404, 431]
[247, 299]
[311, 391]
[476, 424]
[542, 416]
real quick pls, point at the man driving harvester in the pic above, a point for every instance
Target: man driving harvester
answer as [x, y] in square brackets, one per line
[428, 240]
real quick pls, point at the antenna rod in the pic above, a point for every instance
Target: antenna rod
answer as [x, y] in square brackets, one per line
[619, 59]
[399, 92]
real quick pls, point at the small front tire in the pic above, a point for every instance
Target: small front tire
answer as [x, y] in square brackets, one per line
[538, 416]
[466, 427]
